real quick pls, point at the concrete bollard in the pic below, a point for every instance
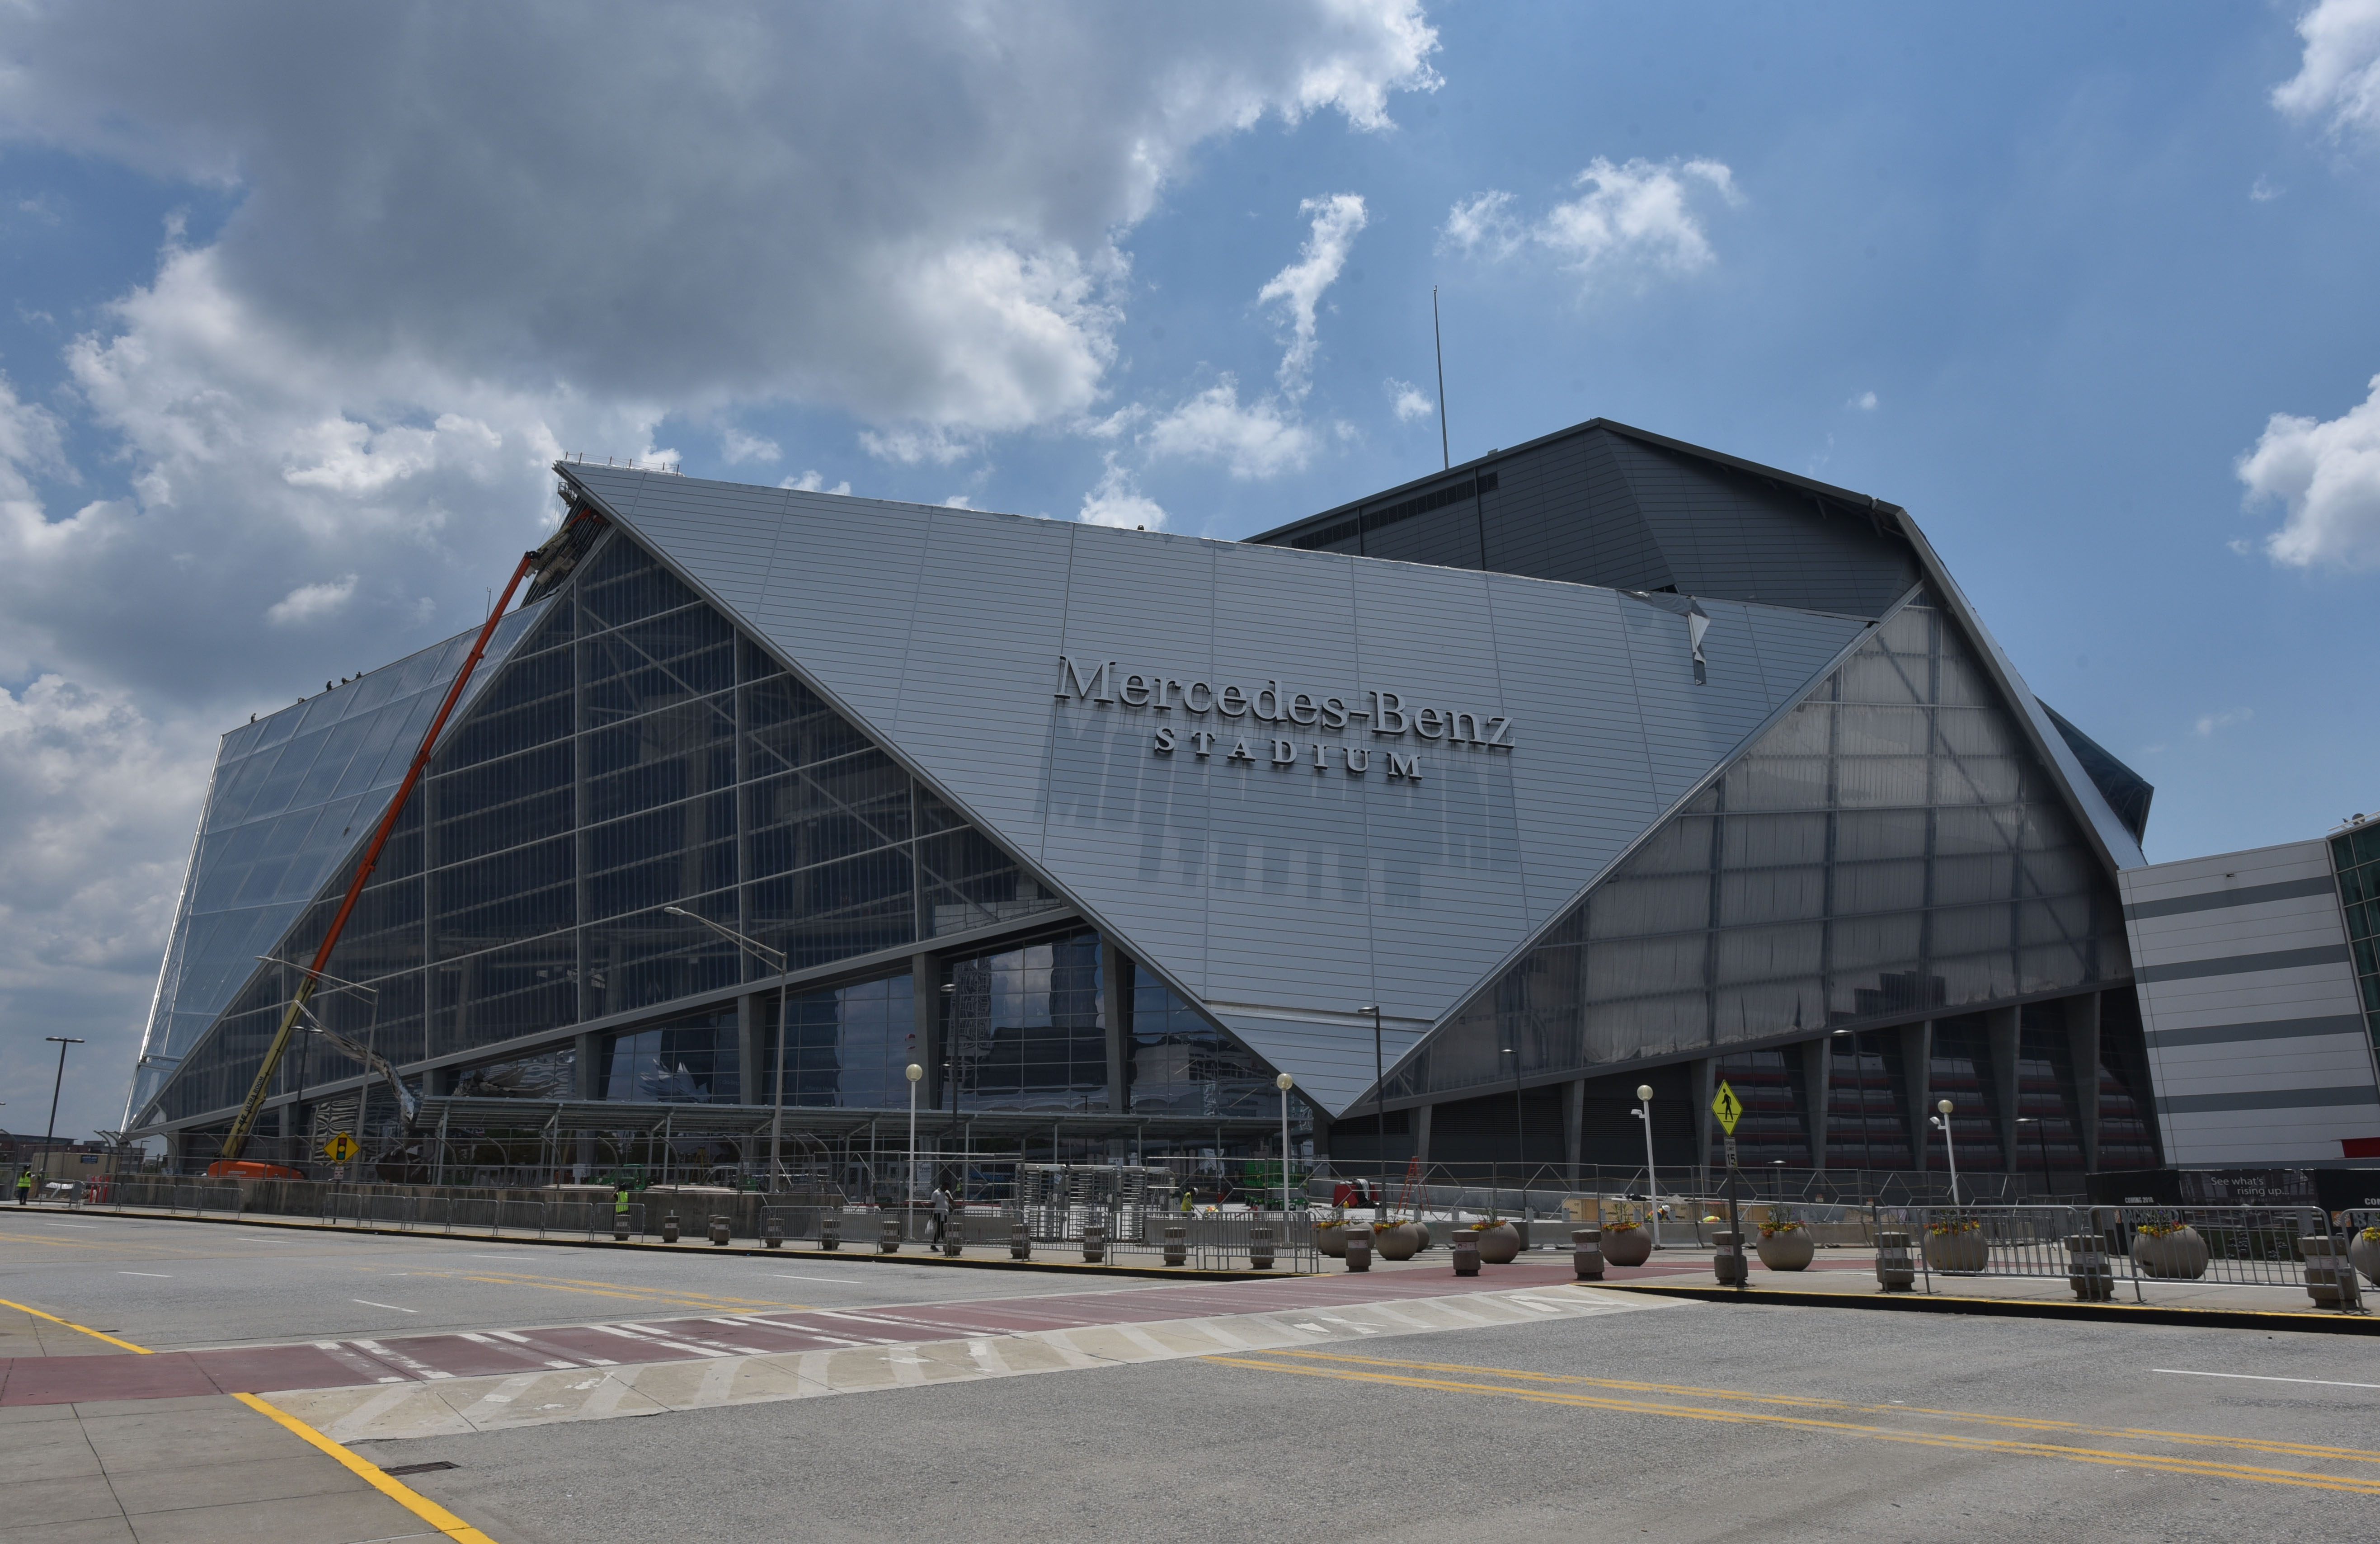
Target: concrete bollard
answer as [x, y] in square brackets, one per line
[774, 1236]
[1260, 1251]
[1587, 1253]
[1095, 1243]
[719, 1234]
[1727, 1265]
[619, 1227]
[1895, 1270]
[1466, 1253]
[888, 1237]
[669, 1228]
[952, 1235]
[1359, 1248]
[1020, 1242]
[1177, 1247]
[829, 1231]
[2330, 1278]
[2087, 1270]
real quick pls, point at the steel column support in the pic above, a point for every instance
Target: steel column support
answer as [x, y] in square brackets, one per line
[2083, 1048]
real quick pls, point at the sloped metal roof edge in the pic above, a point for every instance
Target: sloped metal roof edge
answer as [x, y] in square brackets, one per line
[1849, 497]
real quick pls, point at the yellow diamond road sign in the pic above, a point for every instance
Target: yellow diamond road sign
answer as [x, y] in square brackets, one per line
[340, 1147]
[1726, 1107]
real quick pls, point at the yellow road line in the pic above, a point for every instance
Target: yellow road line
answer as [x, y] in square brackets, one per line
[72, 1325]
[387, 1485]
[2023, 1423]
[2203, 1468]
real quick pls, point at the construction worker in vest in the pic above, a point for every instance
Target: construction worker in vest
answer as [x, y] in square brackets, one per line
[1189, 1200]
[620, 1204]
[24, 1185]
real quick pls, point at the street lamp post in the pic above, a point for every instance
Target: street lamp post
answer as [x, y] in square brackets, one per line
[1949, 1147]
[1380, 1111]
[2041, 1141]
[915, 1072]
[784, 1007]
[59, 1083]
[1284, 1083]
[1652, 1191]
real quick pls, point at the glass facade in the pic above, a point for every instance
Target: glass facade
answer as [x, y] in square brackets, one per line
[852, 1046]
[1182, 1065]
[1890, 848]
[636, 752]
[292, 795]
[2356, 857]
[1025, 1029]
[692, 1059]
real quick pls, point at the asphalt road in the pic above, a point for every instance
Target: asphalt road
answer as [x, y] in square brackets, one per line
[173, 1285]
[1744, 1434]
[1701, 1421]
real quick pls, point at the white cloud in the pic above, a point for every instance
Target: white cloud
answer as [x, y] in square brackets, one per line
[1255, 441]
[2338, 77]
[1337, 219]
[2264, 190]
[1406, 400]
[1116, 500]
[311, 602]
[958, 501]
[2325, 475]
[1863, 402]
[2207, 724]
[1486, 225]
[438, 277]
[1643, 217]
[739, 447]
[812, 483]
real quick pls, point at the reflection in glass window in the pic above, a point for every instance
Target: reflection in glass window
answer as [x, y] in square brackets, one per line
[1183, 1065]
[852, 1047]
[688, 1061]
[550, 1075]
[1025, 1028]
[1890, 847]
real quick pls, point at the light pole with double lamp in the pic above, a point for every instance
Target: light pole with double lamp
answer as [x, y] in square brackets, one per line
[1652, 1191]
[1950, 1148]
[1284, 1083]
[784, 1007]
[914, 1073]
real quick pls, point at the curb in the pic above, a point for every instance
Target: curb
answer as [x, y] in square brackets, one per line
[853, 1252]
[2301, 1322]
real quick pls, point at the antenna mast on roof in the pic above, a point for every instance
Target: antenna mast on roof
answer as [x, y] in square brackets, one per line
[1439, 340]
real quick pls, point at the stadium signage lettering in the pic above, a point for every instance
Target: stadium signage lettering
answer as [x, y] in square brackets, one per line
[1387, 714]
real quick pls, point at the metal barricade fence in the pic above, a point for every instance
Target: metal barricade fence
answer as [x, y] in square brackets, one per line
[2138, 1246]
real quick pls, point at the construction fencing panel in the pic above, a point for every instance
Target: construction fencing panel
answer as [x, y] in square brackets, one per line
[2137, 1246]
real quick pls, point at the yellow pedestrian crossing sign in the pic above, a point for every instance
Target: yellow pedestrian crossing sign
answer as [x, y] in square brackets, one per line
[1728, 1108]
[340, 1147]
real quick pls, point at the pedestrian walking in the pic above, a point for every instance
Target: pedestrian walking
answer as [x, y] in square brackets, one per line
[941, 1204]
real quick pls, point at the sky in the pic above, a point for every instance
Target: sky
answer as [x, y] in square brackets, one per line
[303, 301]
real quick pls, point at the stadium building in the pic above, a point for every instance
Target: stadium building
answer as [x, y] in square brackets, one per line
[1471, 806]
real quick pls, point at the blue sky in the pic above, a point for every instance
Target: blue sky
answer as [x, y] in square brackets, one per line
[301, 302]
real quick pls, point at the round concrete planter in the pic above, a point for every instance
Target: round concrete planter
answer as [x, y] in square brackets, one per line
[1401, 1242]
[1332, 1241]
[2366, 1253]
[2173, 1257]
[1499, 1245]
[1627, 1246]
[1958, 1254]
[1787, 1249]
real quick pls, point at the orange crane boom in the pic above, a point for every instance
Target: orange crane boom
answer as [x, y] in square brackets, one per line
[244, 1123]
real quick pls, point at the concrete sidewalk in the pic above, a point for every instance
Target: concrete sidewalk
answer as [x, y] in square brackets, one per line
[203, 1469]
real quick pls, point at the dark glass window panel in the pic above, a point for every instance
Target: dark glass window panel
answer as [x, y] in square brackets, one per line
[851, 1046]
[622, 584]
[1178, 1063]
[970, 884]
[1024, 1030]
[1867, 1119]
[488, 998]
[835, 910]
[1961, 1073]
[650, 958]
[514, 895]
[496, 804]
[787, 726]
[660, 758]
[655, 664]
[693, 1059]
[529, 705]
[852, 805]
